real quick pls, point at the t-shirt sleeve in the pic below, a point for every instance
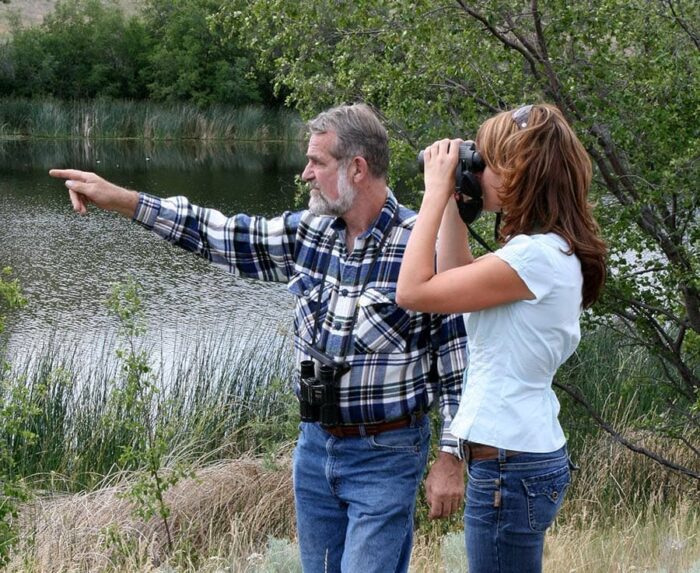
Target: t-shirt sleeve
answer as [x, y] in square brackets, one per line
[528, 257]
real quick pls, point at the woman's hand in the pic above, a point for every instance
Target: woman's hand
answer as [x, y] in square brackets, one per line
[440, 165]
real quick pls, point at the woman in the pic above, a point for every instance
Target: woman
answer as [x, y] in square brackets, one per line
[525, 302]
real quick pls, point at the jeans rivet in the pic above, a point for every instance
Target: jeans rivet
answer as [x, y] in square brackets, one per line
[555, 495]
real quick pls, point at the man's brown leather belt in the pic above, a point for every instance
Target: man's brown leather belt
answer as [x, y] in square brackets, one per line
[474, 451]
[354, 430]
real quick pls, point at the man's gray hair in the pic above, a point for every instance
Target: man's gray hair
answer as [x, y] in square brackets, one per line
[358, 132]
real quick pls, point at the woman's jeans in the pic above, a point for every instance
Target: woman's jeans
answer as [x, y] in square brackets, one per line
[511, 502]
[355, 497]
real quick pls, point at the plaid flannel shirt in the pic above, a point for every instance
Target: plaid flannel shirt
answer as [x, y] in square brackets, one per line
[400, 360]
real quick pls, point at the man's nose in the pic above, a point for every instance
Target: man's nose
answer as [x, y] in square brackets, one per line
[307, 174]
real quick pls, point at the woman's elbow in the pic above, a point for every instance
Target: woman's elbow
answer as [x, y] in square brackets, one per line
[405, 297]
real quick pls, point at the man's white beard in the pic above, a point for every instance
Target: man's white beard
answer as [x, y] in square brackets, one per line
[319, 204]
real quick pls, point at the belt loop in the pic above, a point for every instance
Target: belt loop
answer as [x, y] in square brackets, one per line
[363, 431]
[416, 418]
[502, 455]
[467, 452]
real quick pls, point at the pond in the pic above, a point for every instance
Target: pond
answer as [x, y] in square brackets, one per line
[67, 263]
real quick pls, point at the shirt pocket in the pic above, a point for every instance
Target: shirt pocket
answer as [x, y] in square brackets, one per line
[382, 326]
[305, 289]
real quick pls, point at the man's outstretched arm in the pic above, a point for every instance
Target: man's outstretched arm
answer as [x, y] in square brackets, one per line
[87, 188]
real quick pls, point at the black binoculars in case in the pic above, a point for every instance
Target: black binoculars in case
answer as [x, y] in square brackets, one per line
[318, 397]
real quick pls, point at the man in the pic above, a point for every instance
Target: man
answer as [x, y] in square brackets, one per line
[357, 465]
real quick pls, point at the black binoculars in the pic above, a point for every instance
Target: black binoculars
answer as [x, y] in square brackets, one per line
[318, 397]
[467, 186]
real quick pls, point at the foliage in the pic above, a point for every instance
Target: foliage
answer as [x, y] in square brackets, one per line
[84, 49]
[617, 69]
[136, 413]
[10, 294]
[168, 51]
[16, 408]
[190, 62]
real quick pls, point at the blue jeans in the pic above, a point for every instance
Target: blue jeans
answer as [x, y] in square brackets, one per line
[510, 504]
[355, 498]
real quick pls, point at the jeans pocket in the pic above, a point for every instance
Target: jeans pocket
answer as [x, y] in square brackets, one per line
[483, 490]
[403, 440]
[545, 494]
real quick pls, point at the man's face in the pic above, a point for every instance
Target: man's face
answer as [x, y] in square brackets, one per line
[331, 192]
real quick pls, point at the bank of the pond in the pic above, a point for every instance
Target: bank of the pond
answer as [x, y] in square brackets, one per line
[237, 515]
[120, 119]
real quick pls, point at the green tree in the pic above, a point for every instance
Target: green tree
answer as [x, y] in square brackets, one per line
[83, 49]
[191, 62]
[621, 71]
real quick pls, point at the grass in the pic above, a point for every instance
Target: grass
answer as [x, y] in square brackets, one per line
[212, 400]
[235, 428]
[227, 512]
[238, 515]
[122, 119]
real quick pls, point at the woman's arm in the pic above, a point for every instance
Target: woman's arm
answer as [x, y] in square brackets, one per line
[482, 284]
[453, 240]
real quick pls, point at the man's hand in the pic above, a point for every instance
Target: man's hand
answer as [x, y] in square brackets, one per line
[444, 486]
[85, 188]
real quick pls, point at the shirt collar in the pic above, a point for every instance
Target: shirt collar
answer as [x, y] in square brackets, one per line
[380, 225]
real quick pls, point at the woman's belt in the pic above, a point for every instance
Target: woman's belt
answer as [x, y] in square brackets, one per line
[474, 451]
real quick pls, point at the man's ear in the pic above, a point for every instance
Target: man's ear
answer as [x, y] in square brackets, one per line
[358, 169]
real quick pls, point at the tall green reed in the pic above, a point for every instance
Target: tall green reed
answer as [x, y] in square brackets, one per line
[621, 383]
[106, 119]
[211, 393]
[618, 380]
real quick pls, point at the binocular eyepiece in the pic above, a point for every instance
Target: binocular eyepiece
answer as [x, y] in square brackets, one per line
[467, 186]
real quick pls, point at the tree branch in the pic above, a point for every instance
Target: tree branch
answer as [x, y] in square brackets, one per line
[581, 400]
[684, 25]
[501, 37]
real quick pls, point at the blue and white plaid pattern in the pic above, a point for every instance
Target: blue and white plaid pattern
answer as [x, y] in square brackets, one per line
[390, 349]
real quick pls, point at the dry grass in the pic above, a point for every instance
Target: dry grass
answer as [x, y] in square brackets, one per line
[229, 509]
[658, 540]
[623, 514]
[667, 543]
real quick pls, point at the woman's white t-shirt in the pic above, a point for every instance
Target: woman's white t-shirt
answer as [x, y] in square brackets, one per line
[515, 349]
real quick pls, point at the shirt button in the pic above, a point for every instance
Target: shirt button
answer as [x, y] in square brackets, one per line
[306, 292]
[336, 325]
[344, 292]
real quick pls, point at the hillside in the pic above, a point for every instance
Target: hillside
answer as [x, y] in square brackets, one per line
[32, 12]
